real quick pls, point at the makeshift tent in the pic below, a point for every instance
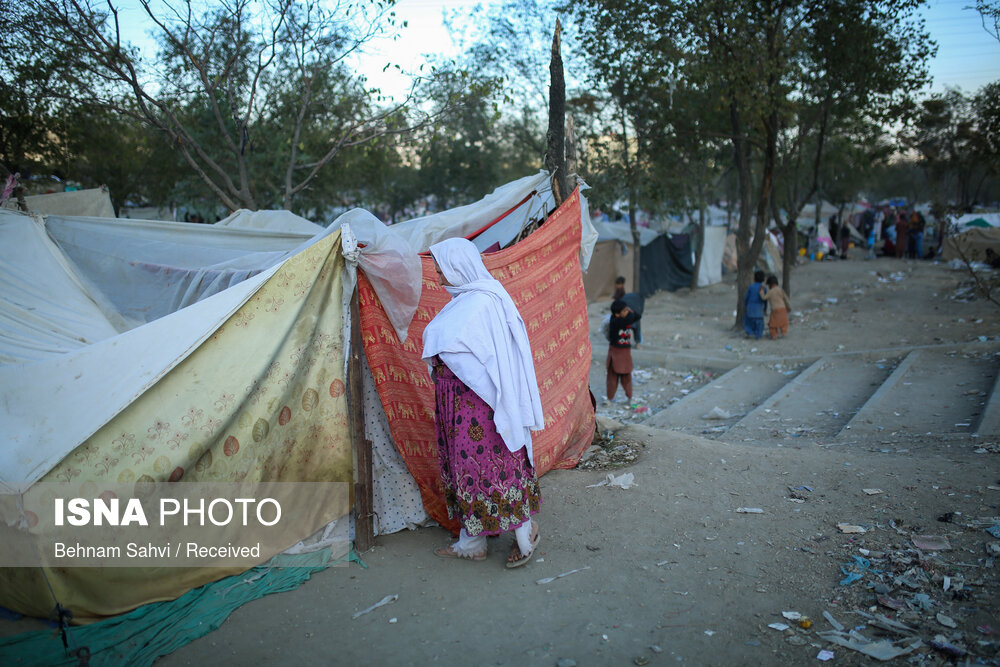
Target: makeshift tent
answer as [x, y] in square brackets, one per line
[179, 352]
[974, 220]
[246, 381]
[665, 262]
[542, 275]
[807, 216]
[95, 202]
[713, 246]
[975, 244]
[613, 256]
[768, 261]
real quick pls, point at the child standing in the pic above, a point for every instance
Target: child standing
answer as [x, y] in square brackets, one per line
[620, 349]
[619, 288]
[753, 300]
[777, 325]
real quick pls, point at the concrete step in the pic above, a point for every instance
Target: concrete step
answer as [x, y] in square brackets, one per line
[818, 402]
[735, 393]
[956, 384]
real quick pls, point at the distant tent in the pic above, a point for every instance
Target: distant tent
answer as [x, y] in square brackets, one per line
[980, 220]
[94, 202]
[612, 256]
[710, 269]
[976, 244]
[276, 221]
[665, 264]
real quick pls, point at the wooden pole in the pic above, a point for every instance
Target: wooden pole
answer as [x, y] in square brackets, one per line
[555, 152]
[364, 526]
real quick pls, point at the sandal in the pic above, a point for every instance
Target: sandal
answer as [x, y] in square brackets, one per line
[448, 551]
[516, 558]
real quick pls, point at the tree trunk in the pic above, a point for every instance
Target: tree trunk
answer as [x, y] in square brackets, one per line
[555, 153]
[744, 262]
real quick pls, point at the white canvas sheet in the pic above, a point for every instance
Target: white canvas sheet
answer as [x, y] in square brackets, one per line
[710, 269]
[96, 201]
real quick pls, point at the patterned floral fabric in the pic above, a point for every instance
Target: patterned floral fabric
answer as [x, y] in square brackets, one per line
[488, 488]
[542, 275]
[263, 398]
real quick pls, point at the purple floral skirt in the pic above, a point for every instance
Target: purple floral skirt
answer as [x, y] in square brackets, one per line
[488, 488]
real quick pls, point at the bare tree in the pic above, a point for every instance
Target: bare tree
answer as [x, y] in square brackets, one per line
[258, 97]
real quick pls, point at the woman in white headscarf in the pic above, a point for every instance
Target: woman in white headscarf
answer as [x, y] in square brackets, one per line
[487, 404]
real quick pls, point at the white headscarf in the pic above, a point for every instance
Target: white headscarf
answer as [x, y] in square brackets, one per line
[481, 337]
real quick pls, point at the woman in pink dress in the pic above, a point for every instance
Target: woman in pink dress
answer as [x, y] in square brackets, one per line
[487, 404]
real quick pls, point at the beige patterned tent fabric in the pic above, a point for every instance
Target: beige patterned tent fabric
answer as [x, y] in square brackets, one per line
[262, 399]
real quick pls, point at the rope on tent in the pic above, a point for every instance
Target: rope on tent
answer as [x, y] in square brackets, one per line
[63, 615]
[504, 215]
[482, 229]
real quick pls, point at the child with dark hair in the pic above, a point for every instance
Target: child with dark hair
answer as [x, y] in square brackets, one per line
[753, 301]
[777, 325]
[619, 363]
[619, 288]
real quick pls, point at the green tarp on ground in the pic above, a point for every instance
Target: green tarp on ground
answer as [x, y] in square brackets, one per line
[139, 637]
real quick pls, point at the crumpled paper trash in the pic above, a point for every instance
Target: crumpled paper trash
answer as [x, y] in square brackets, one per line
[624, 481]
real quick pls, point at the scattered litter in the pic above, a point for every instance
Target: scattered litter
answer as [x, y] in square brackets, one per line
[872, 492]
[883, 649]
[549, 580]
[791, 615]
[941, 643]
[749, 510]
[709, 632]
[384, 601]
[780, 627]
[946, 621]
[892, 603]
[624, 481]
[856, 570]
[832, 621]
[717, 413]
[882, 621]
[850, 528]
[994, 531]
[824, 655]
[931, 542]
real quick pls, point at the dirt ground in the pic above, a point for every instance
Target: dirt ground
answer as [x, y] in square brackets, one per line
[675, 569]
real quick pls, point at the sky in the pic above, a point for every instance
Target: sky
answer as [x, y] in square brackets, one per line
[968, 57]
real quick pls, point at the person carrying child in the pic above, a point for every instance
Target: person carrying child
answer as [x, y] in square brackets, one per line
[776, 298]
[753, 301]
[619, 363]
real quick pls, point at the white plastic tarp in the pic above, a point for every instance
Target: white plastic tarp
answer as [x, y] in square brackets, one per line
[421, 233]
[710, 269]
[983, 220]
[275, 221]
[96, 201]
[619, 231]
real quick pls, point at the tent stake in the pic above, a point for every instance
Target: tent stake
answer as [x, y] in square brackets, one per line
[364, 527]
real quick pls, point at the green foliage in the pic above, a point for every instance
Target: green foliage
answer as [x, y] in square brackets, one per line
[958, 142]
